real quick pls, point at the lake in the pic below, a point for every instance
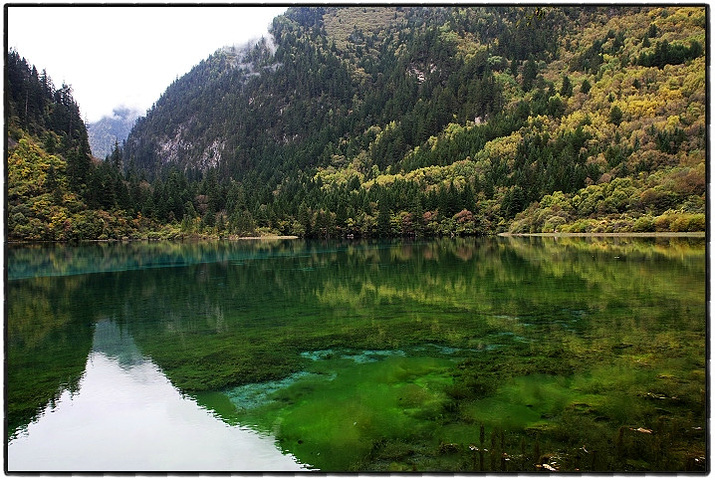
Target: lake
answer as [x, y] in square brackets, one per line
[478, 354]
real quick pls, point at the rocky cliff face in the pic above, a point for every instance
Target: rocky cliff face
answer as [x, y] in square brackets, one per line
[189, 126]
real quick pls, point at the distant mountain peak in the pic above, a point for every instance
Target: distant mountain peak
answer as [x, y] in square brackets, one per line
[111, 129]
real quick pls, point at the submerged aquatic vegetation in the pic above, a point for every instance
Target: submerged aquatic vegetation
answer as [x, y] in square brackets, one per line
[448, 355]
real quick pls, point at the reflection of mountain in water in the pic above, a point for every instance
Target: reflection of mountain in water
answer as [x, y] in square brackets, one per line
[48, 339]
[116, 344]
[126, 416]
[218, 315]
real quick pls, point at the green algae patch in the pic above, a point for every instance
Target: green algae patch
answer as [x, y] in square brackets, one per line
[335, 414]
[522, 403]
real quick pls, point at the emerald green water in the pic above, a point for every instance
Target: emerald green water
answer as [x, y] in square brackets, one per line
[493, 354]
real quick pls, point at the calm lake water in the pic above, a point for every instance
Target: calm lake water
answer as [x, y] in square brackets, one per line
[489, 354]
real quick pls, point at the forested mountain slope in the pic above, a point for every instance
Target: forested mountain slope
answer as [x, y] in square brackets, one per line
[402, 121]
[56, 190]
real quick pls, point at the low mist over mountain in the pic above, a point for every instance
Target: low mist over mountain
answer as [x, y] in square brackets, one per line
[111, 130]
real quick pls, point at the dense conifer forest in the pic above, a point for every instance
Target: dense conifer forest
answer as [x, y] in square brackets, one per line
[388, 122]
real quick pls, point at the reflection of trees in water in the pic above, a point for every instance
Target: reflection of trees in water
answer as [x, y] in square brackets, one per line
[59, 259]
[451, 291]
[26, 261]
[48, 339]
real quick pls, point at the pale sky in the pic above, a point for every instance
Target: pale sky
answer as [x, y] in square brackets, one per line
[127, 55]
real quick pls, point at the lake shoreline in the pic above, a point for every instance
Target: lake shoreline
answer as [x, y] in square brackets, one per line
[152, 239]
[295, 237]
[604, 234]
[266, 237]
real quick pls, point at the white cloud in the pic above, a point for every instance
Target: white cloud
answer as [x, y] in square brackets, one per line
[127, 55]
